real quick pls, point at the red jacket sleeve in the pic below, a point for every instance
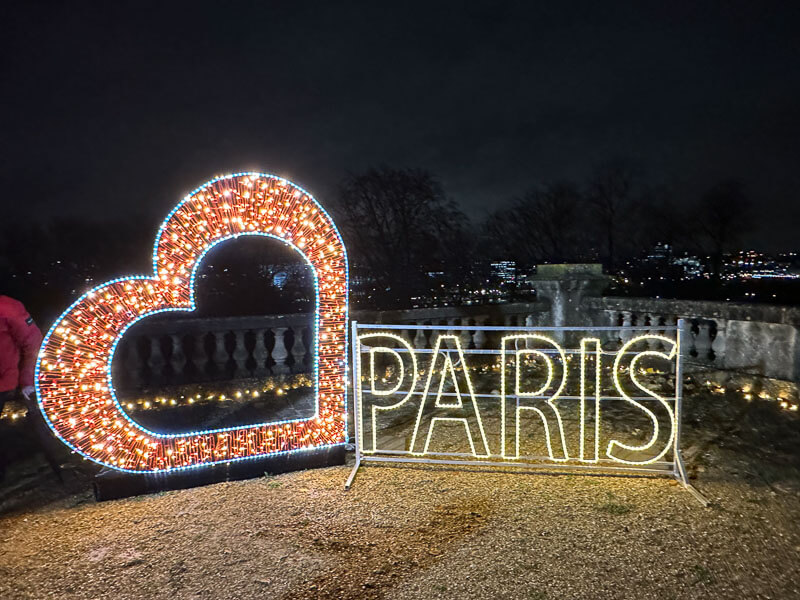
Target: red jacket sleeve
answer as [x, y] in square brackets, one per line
[28, 339]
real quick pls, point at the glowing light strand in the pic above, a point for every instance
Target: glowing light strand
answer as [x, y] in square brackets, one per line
[586, 342]
[471, 410]
[614, 444]
[73, 378]
[544, 403]
[375, 409]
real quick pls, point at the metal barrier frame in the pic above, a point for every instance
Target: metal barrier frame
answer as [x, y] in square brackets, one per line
[674, 468]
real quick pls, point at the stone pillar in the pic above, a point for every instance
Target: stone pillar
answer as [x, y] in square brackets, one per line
[564, 287]
[279, 352]
[240, 355]
[178, 357]
[260, 353]
[298, 350]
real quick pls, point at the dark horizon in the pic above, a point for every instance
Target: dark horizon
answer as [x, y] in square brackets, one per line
[121, 109]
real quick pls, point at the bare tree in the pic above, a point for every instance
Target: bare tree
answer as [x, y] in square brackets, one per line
[542, 226]
[611, 197]
[660, 219]
[723, 215]
[399, 224]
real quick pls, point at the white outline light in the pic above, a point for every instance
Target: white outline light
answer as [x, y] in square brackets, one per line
[632, 372]
[384, 393]
[460, 404]
[508, 402]
[598, 352]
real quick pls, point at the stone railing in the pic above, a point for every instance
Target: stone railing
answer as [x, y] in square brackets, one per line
[752, 338]
[518, 314]
[755, 339]
[177, 350]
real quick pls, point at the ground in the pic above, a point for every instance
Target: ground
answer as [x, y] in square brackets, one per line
[424, 532]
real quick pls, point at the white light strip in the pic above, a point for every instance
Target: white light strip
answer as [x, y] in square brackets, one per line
[448, 363]
[469, 409]
[375, 408]
[585, 342]
[614, 444]
[542, 403]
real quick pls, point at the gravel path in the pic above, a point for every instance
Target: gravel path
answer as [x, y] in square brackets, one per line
[422, 532]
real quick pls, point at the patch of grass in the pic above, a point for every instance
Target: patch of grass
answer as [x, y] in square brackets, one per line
[615, 508]
[271, 481]
[537, 595]
[702, 575]
[757, 500]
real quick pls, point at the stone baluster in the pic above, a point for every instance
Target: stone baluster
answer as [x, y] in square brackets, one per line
[701, 343]
[240, 355]
[298, 350]
[279, 353]
[199, 357]
[660, 323]
[702, 340]
[451, 332]
[133, 364]
[627, 319]
[466, 335]
[156, 361]
[420, 341]
[479, 336]
[178, 356]
[406, 335]
[260, 353]
[220, 355]
[646, 320]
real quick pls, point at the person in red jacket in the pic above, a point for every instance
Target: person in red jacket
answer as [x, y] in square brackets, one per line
[20, 339]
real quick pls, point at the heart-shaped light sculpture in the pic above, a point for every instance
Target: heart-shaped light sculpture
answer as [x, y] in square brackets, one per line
[73, 372]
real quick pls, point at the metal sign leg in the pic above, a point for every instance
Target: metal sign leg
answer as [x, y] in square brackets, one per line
[352, 476]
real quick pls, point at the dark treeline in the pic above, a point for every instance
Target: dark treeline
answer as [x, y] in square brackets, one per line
[399, 226]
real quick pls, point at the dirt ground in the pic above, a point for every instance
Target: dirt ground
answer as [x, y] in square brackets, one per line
[425, 532]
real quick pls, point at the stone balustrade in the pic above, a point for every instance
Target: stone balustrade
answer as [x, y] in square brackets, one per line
[175, 350]
[752, 338]
[756, 339]
[517, 314]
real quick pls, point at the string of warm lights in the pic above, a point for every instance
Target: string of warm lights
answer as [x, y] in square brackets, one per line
[73, 376]
[747, 393]
[463, 411]
[527, 350]
[540, 401]
[375, 408]
[633, 373]
[276, 387]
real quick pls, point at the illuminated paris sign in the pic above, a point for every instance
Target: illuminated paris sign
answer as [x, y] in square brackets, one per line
[569, 398]
[73, 373]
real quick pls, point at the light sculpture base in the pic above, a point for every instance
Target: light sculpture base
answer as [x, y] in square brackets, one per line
[110, 484]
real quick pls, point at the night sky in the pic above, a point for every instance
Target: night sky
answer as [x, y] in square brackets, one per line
[117, 108]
